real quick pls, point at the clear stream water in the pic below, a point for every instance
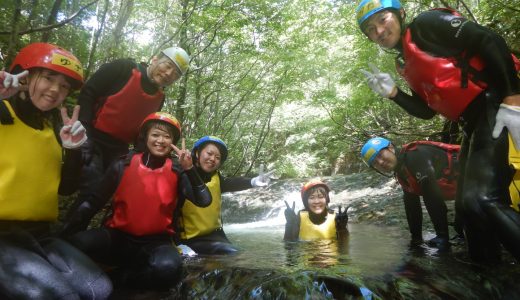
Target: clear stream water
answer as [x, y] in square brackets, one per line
[375, 263]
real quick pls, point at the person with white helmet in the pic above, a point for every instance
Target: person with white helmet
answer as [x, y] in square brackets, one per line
[39, 160]
[465, 72]
[426, 169]
[145, 188]
[114, 101]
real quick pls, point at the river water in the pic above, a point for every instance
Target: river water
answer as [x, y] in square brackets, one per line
[376, 261]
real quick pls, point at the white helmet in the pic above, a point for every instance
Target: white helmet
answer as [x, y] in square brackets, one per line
[179, 57]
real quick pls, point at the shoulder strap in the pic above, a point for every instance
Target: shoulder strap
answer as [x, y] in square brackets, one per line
[5, 115]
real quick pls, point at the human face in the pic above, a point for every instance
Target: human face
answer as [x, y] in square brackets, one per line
[163, 71]
[47, 89]
[383, 28]
[158, 142]
[317, 202]
[209, 158]
[385, 161]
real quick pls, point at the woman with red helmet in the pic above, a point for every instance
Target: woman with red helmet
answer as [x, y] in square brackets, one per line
[34, 169]
[316, 220]
[145, 187]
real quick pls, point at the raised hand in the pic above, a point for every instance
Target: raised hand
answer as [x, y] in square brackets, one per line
[381, 83]
[10, 84]
[184, 155]
[290, 214]
[72, 134]
[262, 179]
[341, 219]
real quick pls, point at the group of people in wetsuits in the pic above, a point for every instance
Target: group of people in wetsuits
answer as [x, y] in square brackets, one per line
[158, 200]
[466, 73]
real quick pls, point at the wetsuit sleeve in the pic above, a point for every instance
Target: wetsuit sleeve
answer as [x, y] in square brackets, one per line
[234, 184]
[413, 105]
[445, 34]
[70, 172]
[78, 218]
[106, 81]
[194, 189]
[292, 230]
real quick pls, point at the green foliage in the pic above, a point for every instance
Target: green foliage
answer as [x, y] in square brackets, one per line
[278, 80]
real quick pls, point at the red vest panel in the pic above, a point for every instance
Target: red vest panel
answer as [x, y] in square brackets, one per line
[447, 183]
[145, 199]
[122, 113]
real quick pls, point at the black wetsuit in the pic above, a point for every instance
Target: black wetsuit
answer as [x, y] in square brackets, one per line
[149, 261]
[216, 242]
[33, 263]
[427, 163]
[485, 174]
[102, 149]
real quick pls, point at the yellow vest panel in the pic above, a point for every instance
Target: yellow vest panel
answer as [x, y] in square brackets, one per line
[198, 221]
[30, 169]
[310, 231]
[514, 187]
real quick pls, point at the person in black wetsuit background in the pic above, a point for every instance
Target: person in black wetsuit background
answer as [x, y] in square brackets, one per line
[466, 73]
[422, 168]
[200, 228]
[115, 100]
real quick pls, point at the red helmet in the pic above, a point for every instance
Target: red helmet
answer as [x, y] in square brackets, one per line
[52, 57]
[165, 117]
[312, 183]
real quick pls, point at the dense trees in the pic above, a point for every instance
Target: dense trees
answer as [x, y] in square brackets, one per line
[278, 80]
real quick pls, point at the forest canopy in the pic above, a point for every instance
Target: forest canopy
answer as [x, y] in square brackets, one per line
[278, 80]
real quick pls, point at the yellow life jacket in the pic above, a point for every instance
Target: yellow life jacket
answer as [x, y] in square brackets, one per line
[30, 170]
[197, 221]
[310, 231]
[514, 187]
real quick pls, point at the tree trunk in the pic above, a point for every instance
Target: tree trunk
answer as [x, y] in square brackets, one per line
[95, 39]
[51, 20]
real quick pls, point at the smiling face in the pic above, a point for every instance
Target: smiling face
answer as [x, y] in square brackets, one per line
[159, 140]
[209, 158]
[383, 28]
[386, 160]
[47, 89]
[317, 201]
[163, 71]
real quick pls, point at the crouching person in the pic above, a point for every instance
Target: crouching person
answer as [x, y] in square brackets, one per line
[137, 238]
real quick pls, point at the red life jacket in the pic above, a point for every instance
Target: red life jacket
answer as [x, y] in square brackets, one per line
[122, 113]
[145, 199]
[447, 182]
[447, 84]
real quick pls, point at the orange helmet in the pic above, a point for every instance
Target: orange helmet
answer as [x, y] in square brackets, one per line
[309, 185]
[164, 117]
[52, 57]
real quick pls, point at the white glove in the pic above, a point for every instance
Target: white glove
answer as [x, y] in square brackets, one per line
[10, 83]
[381, 83]
[262, 179]
[508, 116]
[73, 136]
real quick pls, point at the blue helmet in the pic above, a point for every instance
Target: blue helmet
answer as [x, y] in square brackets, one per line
[368, 8]
[199, 144]
[372, 148]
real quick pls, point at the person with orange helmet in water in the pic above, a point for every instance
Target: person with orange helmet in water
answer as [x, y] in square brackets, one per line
[145, 187]
[316, 220]
[39, 159]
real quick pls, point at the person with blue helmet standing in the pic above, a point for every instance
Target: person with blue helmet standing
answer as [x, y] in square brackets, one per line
[465, 72]
[422, 168]
[200, 228]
